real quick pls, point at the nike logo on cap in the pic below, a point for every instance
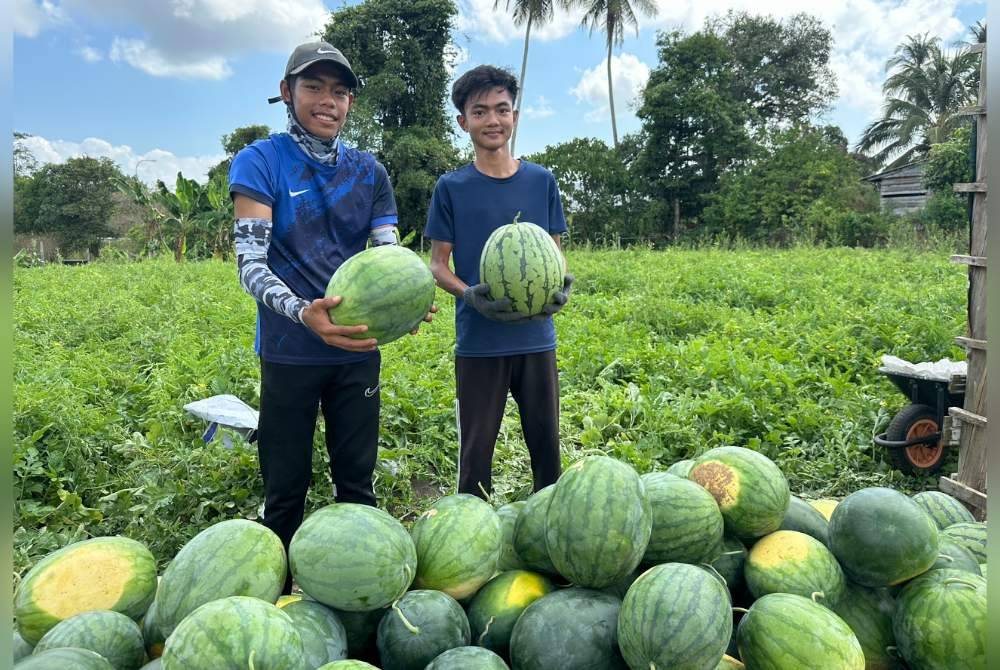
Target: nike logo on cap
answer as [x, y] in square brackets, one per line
[295, 193]
[325, 51]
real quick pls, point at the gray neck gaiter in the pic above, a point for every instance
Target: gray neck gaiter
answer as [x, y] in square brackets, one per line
[324, 151]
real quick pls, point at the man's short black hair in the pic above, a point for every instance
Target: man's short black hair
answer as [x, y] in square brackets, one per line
[479, 80]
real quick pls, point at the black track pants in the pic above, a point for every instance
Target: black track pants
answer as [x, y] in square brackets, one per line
[482, 385]
[291, 396]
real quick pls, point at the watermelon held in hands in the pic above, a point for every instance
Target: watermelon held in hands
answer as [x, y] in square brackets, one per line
[458, 541]
[387, 288]
[236, 557]
[111, 634]
[375, 565]
[521, 262]
[235, 633]
[103, 573]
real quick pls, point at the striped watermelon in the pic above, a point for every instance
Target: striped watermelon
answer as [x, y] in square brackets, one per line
[681, 468]
[881, 537]
[529, 533]
[675, 616]
[940, 621]
[729, 560]
[805, 518]
[468, 658]
[111, 634]
[509, 560]
[323, 636]
[348, 665]
[568, 628]
[375, 565]
[230, 558]
[787, 561]
[783, 631]
[869, 614]
[418, 628]
[972, 536]
[687, 523]
[521, 262]
[235, 633]
[66, 582]
[598, 522]
[750, 489]
[944, 509]
[458, 541]
[953, 555]
[387, 288]
[66, 658]
[494, 610]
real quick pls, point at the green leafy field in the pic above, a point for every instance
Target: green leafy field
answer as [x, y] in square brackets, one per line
[662, 355]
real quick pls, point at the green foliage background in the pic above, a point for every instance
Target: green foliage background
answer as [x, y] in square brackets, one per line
[662, 355]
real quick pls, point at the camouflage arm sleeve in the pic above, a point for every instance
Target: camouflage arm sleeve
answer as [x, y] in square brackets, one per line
[252, 237]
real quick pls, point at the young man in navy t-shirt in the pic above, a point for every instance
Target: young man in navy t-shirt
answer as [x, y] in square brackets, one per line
[304, 204]
[497, 350]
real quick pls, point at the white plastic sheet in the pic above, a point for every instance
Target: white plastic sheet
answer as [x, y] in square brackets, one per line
[225, 410]
[942, 370]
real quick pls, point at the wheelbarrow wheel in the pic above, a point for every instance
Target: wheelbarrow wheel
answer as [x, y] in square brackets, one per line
[912, 421]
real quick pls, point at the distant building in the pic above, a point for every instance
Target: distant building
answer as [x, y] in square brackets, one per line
[901, 189]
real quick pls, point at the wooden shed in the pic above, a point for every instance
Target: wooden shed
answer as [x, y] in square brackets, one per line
[901, 189]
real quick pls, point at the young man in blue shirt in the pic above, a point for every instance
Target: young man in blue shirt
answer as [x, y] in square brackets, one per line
[304, 204]
[497, 351]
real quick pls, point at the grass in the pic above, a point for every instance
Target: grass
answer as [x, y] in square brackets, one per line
[662, 355]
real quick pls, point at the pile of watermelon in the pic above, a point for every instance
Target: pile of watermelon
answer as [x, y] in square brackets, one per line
[710, 564]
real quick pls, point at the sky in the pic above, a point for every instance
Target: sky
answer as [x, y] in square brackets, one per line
[155, 85]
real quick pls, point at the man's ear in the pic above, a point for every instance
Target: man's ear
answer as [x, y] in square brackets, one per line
[286, 92]
[461, 122]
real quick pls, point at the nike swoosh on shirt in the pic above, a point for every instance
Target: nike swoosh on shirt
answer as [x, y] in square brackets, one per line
[295, 193]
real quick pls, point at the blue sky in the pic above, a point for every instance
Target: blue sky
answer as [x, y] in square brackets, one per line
[155, 85]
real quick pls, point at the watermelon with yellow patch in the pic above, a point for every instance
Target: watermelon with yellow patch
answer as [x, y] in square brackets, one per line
[787, 561]
[458, 543]
[103, 573]
[750, 489]
[495, 609]
[824, 506]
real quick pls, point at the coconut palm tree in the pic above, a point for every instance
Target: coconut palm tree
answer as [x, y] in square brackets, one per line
[527, 13]
[925, 89]
[611, 16]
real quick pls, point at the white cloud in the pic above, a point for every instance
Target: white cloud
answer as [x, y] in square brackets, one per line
[31, 18]
[150, 166]
[629, 75]
[90, 54]
[480, 19]
[194, 39]
[539, 110]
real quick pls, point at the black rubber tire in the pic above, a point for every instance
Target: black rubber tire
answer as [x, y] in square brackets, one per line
[898, 431]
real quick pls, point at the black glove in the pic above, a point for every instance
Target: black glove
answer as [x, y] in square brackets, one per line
[559, 298]
[497, 310]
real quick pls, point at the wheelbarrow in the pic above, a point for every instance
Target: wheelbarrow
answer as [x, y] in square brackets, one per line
[915, 438]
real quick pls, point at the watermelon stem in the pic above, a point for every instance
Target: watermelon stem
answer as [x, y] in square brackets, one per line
[817, 594]
[893, 650]
[516, 217]
[946, 557]
[958, 580]
[409, 626]
[486, 495]
[486, 630]
[253, 652]
[741, 610]
[709, 566]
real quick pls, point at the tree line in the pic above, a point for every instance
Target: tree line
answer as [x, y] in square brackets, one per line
[729, 145]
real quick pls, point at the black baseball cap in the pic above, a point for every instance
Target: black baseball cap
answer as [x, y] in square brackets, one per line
[315, 52]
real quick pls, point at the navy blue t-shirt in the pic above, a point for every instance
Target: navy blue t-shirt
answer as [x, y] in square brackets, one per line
[321, 216]
[466, 207]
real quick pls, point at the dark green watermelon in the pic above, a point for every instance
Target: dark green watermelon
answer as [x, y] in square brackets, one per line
[468, 658]
[324, 639]
[509, 560]
[65, 658]
[729, 561]
[953, 555]
[569, 628]
[881, 537]
[869, 614]
[360, 628]
[497, 606]
[940, 621]
[529, 533]
[598, 523]
[687, 523]
[418, 628]
[113, 635]
[805, 518]
[675, 616]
